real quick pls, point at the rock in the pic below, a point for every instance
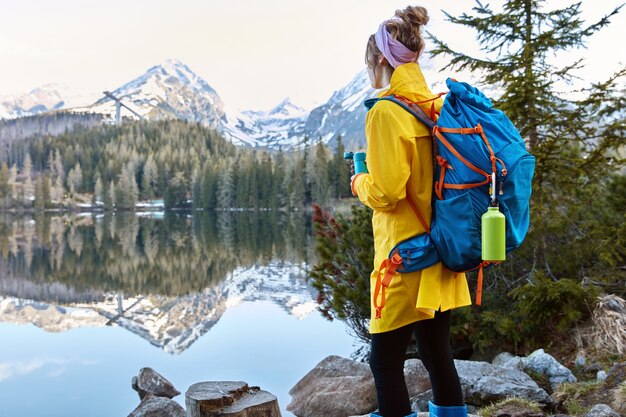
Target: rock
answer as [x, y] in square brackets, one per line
[341, 387]
[335, 387]
[419, 402]
[601, 376]
[229, 399]
[580, 359]
[506, 360]
[602, 410]
[416, 377]
[544, 364]
[150, 381]
[502, 358]
[152, 406]
[484, 384]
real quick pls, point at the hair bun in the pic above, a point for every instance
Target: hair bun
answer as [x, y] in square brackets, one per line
[413, 15]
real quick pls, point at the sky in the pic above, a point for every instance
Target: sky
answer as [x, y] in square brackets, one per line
[254, 53]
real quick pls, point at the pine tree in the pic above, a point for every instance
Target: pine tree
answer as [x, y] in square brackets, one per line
[75, 178]
[5, 186]
[110, 202]
[320, 183]
[226, 188]
[40, 203]
[278, 197]
[42, 192]
[28, 187]
[297, 185]
[340, 172]
[97, 191]
[149, 178]
[58, 165]
[13, 181]
[126, 191]
[520, 44]
[576, 142]
[176, 193]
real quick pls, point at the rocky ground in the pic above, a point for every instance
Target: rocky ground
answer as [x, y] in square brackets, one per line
[593, 384]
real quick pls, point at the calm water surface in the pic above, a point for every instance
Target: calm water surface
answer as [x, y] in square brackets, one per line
[88, 300]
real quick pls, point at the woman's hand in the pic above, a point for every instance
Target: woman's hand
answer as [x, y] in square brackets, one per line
[352, 184]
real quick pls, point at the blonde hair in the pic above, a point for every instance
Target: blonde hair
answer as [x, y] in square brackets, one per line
[405, 28]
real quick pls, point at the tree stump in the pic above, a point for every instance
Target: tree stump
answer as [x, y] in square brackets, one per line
[229, 399]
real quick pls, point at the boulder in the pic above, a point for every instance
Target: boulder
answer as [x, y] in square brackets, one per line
[484, 384]
[507, 360]
[337, 387]
[545, 364]
[150, 381]
[341, 387]
[416, 377]
[152, 406]
[602, 410]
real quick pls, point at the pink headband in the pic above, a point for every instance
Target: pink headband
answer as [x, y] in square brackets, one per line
[395, 52]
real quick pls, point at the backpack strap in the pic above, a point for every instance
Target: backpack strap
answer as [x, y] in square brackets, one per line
[409, 106]
[389, 265]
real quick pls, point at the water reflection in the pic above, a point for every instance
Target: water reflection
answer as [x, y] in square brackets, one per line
[165, 278]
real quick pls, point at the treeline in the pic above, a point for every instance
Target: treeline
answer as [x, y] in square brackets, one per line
[184, 164]
[173, 255]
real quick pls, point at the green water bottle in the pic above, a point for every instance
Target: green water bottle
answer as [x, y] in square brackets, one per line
[493, 235]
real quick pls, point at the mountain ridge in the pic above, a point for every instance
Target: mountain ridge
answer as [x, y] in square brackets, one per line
[171, 90]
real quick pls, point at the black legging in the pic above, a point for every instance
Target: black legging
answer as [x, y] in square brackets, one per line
[387, 364]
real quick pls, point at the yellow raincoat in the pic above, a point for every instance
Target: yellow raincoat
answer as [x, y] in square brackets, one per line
[399, 158]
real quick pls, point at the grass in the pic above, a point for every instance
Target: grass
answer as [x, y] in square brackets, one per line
[577, 398]
[511, 406]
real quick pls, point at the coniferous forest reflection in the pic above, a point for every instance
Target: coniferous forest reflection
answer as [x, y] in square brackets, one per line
[68, 258]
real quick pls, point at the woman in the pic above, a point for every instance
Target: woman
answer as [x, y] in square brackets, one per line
[399, 160]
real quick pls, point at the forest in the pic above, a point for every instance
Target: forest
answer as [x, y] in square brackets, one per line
[184, 165]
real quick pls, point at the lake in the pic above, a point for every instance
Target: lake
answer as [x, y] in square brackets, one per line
[87, 300]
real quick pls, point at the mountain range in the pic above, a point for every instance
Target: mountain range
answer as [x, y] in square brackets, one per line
[171, 90]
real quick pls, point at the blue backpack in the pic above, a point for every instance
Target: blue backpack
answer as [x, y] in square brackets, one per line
[480, 160]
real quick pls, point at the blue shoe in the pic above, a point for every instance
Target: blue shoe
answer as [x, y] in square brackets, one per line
[441, 411]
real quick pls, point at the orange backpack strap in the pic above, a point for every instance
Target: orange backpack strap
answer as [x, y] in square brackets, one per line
[418, 213]
[479, 283]
[389, 265]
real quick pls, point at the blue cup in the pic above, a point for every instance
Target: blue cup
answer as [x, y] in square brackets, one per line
[360, 166]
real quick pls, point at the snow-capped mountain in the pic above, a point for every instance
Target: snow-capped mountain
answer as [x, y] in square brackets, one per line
[343, 114]
[168, 90]
[287, 124]
[172, 90]
[278, 127]
[42, 99]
